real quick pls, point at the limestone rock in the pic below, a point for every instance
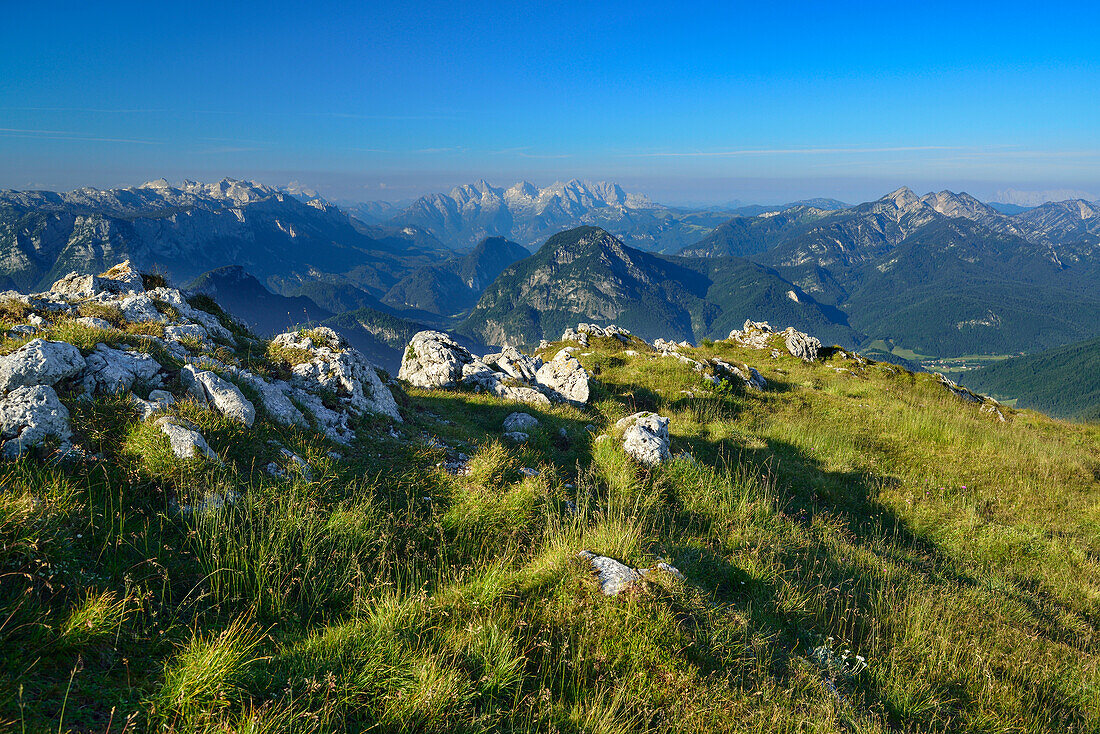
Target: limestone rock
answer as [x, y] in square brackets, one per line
[115, 370]
[273, 396]
[433, 359]
[613, 576]
[177, 332]
[94, 322]
[992, 411]
[209, 322]
[158, 401]
[565, 378]
[141, 307]
[339, 368]
[801, 345]
[520, 422]
[39, 362]
[517, 436]
[29, 415]
[225, 397]
[645, 437]
[753, 334]
[482, 378]
[514, 363]
[186, 443]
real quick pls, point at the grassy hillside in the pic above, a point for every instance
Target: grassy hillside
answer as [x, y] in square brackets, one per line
[1063, 382]
[862, 551]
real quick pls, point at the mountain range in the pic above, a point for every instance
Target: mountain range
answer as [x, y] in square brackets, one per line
[527, 214]
[942, 273]
[187, 230]
[932, 277]
[587, 274]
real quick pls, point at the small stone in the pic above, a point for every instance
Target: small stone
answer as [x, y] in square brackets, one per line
[613, 576]
[185, 442]
[520, 422]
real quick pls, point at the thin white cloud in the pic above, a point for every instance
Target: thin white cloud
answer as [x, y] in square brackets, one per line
[11, 132]
[787, 151]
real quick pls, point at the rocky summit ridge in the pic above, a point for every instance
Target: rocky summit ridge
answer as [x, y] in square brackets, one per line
[157, 345]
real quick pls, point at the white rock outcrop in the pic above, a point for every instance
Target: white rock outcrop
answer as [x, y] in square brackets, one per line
[645, 437]
[225, 397]
[521, 422]
[116, 370]
[565, 378]
[616, 577]
[433, 359]
[339, 368]
[39, 362]
[800, 344]
[185, 441]
[29, 415]
[514, 363]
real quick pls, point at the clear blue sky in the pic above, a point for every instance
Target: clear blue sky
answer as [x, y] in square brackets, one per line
[682, 101]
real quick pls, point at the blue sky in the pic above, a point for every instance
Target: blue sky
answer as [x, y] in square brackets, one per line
[685, 102]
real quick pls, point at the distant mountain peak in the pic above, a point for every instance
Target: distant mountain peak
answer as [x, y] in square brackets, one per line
[902, 198]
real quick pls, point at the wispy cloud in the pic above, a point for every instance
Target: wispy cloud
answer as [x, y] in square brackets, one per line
[786, 151]
[11, 132]
[225, 149]
[525, 152]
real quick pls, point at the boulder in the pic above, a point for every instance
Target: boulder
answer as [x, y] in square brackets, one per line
[481, 378]
[958, 390]
[29, 415]
[990, 409]
[433, 359]
[294, 462]
[514, 363]
[520, 422]
[141, 307]
[177, 332]
[273, 396]
[645, 437]
[339, 368]
[39, 362]
[115, 370]
[565, 378]
[209, 322]
[572, 335]
[185, 441]
[801, 345]
[517, 436]
[747, 375]
[225, 397]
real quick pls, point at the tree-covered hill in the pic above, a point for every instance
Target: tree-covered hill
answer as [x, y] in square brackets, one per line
[1063, 382]
[586, 274]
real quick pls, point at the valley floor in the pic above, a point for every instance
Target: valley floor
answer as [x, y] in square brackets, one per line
[861, 551]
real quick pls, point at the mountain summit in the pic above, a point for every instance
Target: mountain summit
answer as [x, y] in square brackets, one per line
[523, 213]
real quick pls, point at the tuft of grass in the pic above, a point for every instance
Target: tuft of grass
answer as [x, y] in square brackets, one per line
[153, 280]
[97, 617]
[14, 311]
[206, 677]
[109, 312]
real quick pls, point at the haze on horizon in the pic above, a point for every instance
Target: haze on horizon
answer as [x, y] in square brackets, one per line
[687, 105]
